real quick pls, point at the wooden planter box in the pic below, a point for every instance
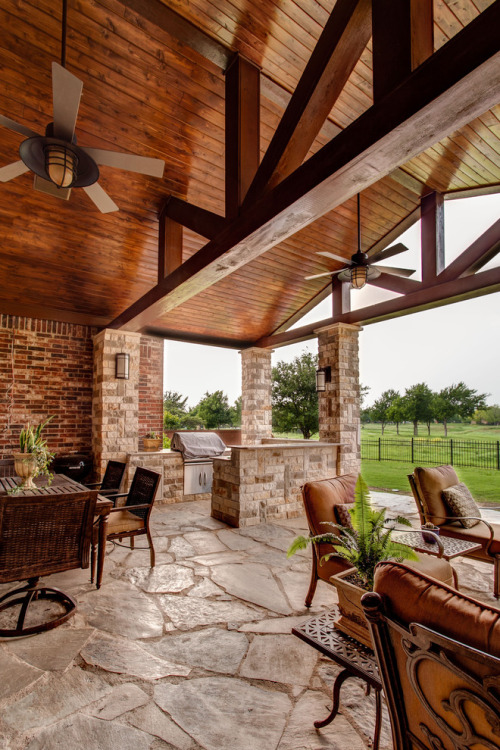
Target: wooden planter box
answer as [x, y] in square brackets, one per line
[152, 444]
[351, 620]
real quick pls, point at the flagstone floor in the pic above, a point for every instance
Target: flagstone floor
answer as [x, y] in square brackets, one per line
[196, 654]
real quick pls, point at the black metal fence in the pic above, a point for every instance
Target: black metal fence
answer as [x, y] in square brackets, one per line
[474, 453]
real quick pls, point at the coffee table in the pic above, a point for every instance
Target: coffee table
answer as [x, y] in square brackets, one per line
[356, 660]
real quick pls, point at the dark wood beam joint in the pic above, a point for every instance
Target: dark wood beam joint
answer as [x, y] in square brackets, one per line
[341, 297]
[335, 55]
[242, 131]
[475, 256]
[402, 40]
[169, 246]
[432, 236]
[193, 217]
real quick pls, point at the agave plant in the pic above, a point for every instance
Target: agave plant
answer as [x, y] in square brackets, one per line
[31, 441]
[367, 543]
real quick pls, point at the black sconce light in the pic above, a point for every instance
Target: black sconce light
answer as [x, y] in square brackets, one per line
[122, 364]
[323, 376]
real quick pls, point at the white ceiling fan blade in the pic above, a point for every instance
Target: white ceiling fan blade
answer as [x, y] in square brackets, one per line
[332, 256]
[388, 252]
[12, 170]
[99, 196]
[130, 162]
[326, 273]
[16, 127]
[48, 187]
[395, 271]
[66, 93]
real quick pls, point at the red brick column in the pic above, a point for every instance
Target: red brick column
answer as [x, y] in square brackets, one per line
[339, 405]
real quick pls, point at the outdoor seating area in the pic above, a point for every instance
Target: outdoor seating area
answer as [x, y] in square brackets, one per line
[190, 653]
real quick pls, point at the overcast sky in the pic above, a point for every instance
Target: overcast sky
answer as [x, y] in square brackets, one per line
[438, 347]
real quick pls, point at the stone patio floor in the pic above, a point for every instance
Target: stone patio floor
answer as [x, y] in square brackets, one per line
[197, 653]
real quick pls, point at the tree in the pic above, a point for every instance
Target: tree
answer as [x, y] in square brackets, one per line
[396, 412]
[381, 407]
[294, 397]
[214, 410]
[236, 413]
[174, 410]
[363, 393]
[457, 401]
[488, 415]
[418, 405]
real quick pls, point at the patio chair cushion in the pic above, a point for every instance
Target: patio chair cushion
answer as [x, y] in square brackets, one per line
[432, 481]
[479, 534]
[437, 606]
[123, 520]
[343, 516]
[461, 503]
[321, 497]
[435, 567]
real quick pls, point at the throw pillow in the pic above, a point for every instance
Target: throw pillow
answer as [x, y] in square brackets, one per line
[461, 503]
[342, 515]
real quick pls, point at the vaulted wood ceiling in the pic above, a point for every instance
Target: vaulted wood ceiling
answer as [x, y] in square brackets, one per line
[161, 93]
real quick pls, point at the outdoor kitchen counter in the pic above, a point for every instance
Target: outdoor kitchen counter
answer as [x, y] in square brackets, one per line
[261, 483]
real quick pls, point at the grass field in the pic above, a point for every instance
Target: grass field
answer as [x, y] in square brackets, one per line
[455, 431]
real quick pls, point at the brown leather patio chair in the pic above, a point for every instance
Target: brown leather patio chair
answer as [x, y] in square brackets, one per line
[41, 535]
[427, 485]
[131, 519]
[438, 653]
[112, 479]
[321, 499]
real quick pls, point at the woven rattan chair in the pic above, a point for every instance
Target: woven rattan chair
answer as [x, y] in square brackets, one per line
[132, 518]
[112, 479]
[41, 535]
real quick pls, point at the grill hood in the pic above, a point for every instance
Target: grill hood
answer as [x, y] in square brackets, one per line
[197, 444]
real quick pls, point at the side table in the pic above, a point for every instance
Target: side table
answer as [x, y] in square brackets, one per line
[356, 660]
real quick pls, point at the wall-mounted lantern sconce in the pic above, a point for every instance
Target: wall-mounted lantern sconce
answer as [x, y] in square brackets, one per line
[122, 363]
[323, 376]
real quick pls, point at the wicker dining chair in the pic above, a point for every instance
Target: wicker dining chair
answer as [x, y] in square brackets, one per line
[112, 479]
[132, 518]
[41, 535]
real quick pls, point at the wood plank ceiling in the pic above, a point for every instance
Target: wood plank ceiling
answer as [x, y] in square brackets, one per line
[148, 92]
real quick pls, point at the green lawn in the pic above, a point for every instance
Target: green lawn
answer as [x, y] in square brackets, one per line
[484, 484]
[456, 431]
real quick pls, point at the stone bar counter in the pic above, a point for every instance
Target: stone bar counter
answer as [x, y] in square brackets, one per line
[170, 466]
[261, 483]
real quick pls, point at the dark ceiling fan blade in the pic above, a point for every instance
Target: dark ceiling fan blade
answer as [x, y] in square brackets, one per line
[16, 127]
[48, 187]
[395, 271]
[388, 253]
[99, 196]
[130, 162]
[12, 170]
[332, 256]
[325, 273]
[66, 93]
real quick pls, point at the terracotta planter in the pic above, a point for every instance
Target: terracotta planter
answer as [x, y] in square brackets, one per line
[25, 467]
[152, 444]
[351, 620]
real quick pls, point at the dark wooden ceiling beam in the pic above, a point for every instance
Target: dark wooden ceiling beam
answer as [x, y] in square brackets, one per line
[436, 295]
[169, 246]
[242, 120]
[397, 284]
[199, 220]
[459, 82]
[432, 236]
[475, 256]
[402, 40]
[335, 55]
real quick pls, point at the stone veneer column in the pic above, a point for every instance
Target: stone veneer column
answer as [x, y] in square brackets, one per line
[115, 403]
[255, 395]
[339, 405]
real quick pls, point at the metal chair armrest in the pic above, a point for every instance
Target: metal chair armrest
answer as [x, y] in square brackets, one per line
[472, 518]
[131, 507]
[93, 484]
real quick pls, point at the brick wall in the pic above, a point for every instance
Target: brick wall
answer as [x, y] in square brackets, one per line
[151, 386]
[46, 368]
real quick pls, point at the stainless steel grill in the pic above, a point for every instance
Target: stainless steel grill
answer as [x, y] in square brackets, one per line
[198, 449]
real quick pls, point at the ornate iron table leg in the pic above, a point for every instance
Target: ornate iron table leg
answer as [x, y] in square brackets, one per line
[339, 680]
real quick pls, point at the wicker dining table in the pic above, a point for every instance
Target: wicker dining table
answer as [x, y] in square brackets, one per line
[62, 484]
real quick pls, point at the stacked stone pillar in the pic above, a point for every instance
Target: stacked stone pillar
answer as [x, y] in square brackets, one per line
[115, 403]
[256, 417]
[339, 405]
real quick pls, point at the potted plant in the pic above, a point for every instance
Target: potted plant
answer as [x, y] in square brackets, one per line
[152, 441]
[364, 544]
[33, 457]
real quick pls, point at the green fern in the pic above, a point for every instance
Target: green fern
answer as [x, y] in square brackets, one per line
[367, 543]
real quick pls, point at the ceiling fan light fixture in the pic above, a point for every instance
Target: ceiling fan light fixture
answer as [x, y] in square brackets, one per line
[359, 276]
[61, 165]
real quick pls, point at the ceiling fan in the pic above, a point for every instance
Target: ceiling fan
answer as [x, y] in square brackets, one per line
[57, 161]
[360, 270]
